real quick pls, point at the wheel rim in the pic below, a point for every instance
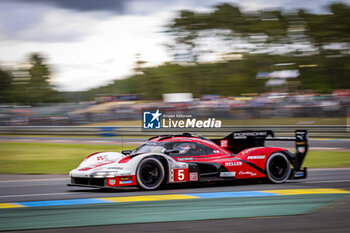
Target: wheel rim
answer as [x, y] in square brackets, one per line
[278, 168]
[150, 174]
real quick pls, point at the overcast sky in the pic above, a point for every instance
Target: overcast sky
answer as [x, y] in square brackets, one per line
[88, 43]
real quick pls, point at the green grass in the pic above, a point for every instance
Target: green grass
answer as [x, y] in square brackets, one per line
[40, 158]
[323, 159]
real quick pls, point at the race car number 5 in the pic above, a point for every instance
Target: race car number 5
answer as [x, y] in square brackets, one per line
[180, 175]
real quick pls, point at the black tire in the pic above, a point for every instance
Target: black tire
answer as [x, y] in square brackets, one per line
[150, 174]
[277, 168]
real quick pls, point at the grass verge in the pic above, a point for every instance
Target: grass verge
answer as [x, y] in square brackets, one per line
[40, 158]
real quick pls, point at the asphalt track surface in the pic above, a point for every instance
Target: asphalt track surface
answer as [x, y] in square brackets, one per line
[332, 218]
[322, 144]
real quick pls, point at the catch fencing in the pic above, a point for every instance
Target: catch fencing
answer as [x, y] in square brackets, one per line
[316, 131]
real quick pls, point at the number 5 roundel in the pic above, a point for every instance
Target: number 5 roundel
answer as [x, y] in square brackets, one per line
[180, 175]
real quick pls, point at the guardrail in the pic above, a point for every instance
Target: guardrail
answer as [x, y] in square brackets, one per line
[320, 131]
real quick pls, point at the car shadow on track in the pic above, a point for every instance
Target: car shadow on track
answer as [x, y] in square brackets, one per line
[169, 187]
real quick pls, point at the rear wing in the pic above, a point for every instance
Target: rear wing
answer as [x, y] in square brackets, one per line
[240, 140]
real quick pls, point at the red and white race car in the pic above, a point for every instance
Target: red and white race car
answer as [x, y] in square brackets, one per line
[188, 158]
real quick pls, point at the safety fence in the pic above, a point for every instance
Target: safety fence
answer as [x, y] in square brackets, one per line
[320, 131]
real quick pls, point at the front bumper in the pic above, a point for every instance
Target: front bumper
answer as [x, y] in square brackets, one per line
[111, 182]
[85, 186]
[96, 182]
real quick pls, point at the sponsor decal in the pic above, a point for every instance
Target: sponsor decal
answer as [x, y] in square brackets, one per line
[227, 174]
[256, 157]
[85, 169]
[181, 165]
[193, 176]
[299, 174]
[249, 150]
[184, 159]
[99, 158]
[103, 158]
[231, 164]
[224, 143]
[301, 149]
[244, 135]
[125, 174]
[247, 173]
[115, 168]
[126, 178]
[157, 120]
[112, 182]
[125, 182]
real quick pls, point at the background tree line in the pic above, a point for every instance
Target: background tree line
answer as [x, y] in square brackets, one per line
[232, 78]
[28, 84]
[317, 45]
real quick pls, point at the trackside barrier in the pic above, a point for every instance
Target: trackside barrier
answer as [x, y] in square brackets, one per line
[107, 131]
[320, 131]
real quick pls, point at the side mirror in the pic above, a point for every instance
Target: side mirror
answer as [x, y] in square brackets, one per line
[126, 152]
[169, 151]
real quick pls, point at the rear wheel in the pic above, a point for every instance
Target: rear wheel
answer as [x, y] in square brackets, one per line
[150, 173]
[278, 168]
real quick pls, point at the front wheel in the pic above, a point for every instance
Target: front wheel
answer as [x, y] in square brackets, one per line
[150, 173]
[278, 168]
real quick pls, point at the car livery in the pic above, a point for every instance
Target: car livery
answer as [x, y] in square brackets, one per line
[189, 158]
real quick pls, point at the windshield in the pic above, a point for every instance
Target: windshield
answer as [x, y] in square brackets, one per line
[150, 147]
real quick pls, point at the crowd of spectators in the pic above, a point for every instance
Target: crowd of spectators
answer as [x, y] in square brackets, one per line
[263, 106]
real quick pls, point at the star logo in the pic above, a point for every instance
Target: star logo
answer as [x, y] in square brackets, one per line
[151, 120]
[156, 115]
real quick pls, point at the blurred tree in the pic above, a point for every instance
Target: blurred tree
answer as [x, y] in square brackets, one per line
[320, 53]
[38, 89]
[234, 77]
[139, 63]
[185, 31]
[5, 84]
[226, 22]
[329, 32]
[28, 84]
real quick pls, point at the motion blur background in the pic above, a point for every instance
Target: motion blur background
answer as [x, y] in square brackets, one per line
[102, 62]
[72, 71]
